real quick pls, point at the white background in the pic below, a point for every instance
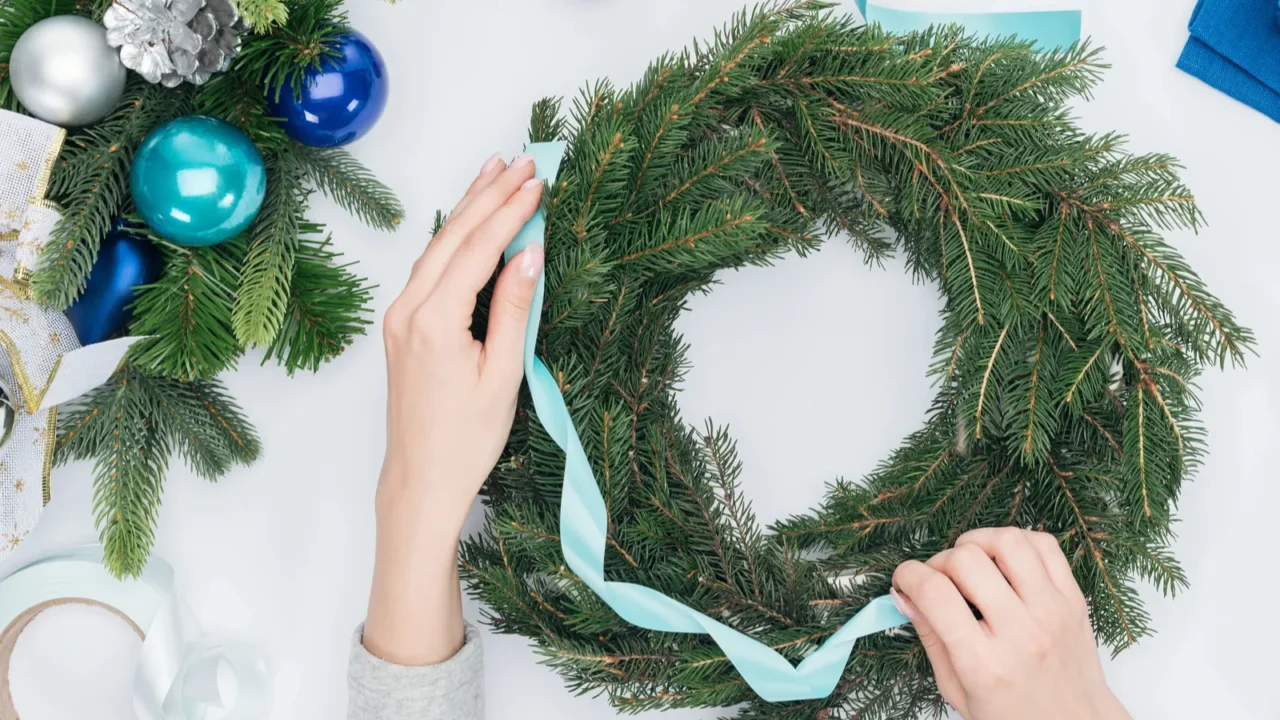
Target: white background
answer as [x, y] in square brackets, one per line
[282, 551]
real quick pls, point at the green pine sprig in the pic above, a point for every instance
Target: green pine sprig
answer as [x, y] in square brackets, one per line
[345, 180]
[187, 315]
[326, 311]
[129, 427]
[298, 43]
[272, 242]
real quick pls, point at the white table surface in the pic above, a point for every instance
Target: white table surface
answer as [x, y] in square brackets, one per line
[283, 550]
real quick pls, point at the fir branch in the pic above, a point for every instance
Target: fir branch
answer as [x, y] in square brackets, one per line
[272, 242]
[263, 15]
[188, 312]
[342, 178]
[128, 427]
[325, 312]
[546, 123]
[238, 98]
[308, 35]
[121, 426]
[209, 430]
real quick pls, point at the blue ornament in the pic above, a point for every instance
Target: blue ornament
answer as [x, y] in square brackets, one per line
[198, 181]
[339, 102]
[124, 262]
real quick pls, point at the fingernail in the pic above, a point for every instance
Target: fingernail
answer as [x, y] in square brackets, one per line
[532, 183]
[522, 161]
[491, 163]
[530, 261]
[903, 604]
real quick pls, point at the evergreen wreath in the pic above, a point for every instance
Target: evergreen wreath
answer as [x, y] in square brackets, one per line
[1069, 341]
[279, 287]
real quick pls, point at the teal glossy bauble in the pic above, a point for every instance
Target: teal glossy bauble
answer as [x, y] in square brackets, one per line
[198, 181]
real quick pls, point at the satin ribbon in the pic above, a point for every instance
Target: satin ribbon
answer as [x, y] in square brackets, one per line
[1049, 28]
[177, 673]
[584, 519]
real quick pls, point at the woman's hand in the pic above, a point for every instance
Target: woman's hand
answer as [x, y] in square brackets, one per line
[450, 403]
[1032, 655]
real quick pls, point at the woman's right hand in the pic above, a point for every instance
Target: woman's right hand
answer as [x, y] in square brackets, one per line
[1033, 653]
[450, 403]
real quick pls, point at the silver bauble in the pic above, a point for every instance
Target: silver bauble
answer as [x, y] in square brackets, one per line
[64, 72]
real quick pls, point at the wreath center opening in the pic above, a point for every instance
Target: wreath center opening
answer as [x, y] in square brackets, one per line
[780, 357]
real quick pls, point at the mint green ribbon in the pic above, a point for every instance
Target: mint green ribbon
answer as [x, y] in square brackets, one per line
[177, 675]
[1049, 28]
[584, 519]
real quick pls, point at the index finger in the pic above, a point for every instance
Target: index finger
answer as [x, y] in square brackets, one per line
[472, 264]
[938, 600]
[491, 192]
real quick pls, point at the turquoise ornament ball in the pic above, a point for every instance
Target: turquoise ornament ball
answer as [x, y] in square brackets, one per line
[198, 181]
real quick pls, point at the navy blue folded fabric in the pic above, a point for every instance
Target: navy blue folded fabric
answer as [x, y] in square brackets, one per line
[1235, 47]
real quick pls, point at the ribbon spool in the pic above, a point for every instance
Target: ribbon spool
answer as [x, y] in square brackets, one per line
[9, 641]
[177, 673]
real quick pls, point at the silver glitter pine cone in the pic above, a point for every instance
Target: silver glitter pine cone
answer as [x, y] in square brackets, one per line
[171, 41]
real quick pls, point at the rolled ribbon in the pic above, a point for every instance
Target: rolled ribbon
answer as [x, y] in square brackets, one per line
[1048, 28]
[584, 519]
[177, 673]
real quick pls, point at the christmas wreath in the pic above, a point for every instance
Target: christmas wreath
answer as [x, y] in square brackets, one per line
[214, 79]
[1070, 337]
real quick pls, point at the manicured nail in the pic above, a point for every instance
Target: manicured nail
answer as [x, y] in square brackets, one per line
[522, 161]
[491, 163]
[529, 263]
[905, 606]
[531, 183]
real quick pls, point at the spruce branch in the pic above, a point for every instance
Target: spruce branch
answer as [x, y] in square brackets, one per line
[128, 427]
[343, 179]
[326, 309]
[264, 15]
[272, 241]
[298, 43]
[188, 312]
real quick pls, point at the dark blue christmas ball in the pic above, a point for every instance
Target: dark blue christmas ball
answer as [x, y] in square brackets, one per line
[341, 100]
[124, 262]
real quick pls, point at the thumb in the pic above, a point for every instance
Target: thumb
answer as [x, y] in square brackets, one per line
[509, 313]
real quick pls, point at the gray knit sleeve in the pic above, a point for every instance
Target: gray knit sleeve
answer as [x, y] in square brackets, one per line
[452, 690]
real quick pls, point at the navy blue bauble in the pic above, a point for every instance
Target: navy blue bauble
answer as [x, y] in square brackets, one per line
[124, 262]
[339, 102]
